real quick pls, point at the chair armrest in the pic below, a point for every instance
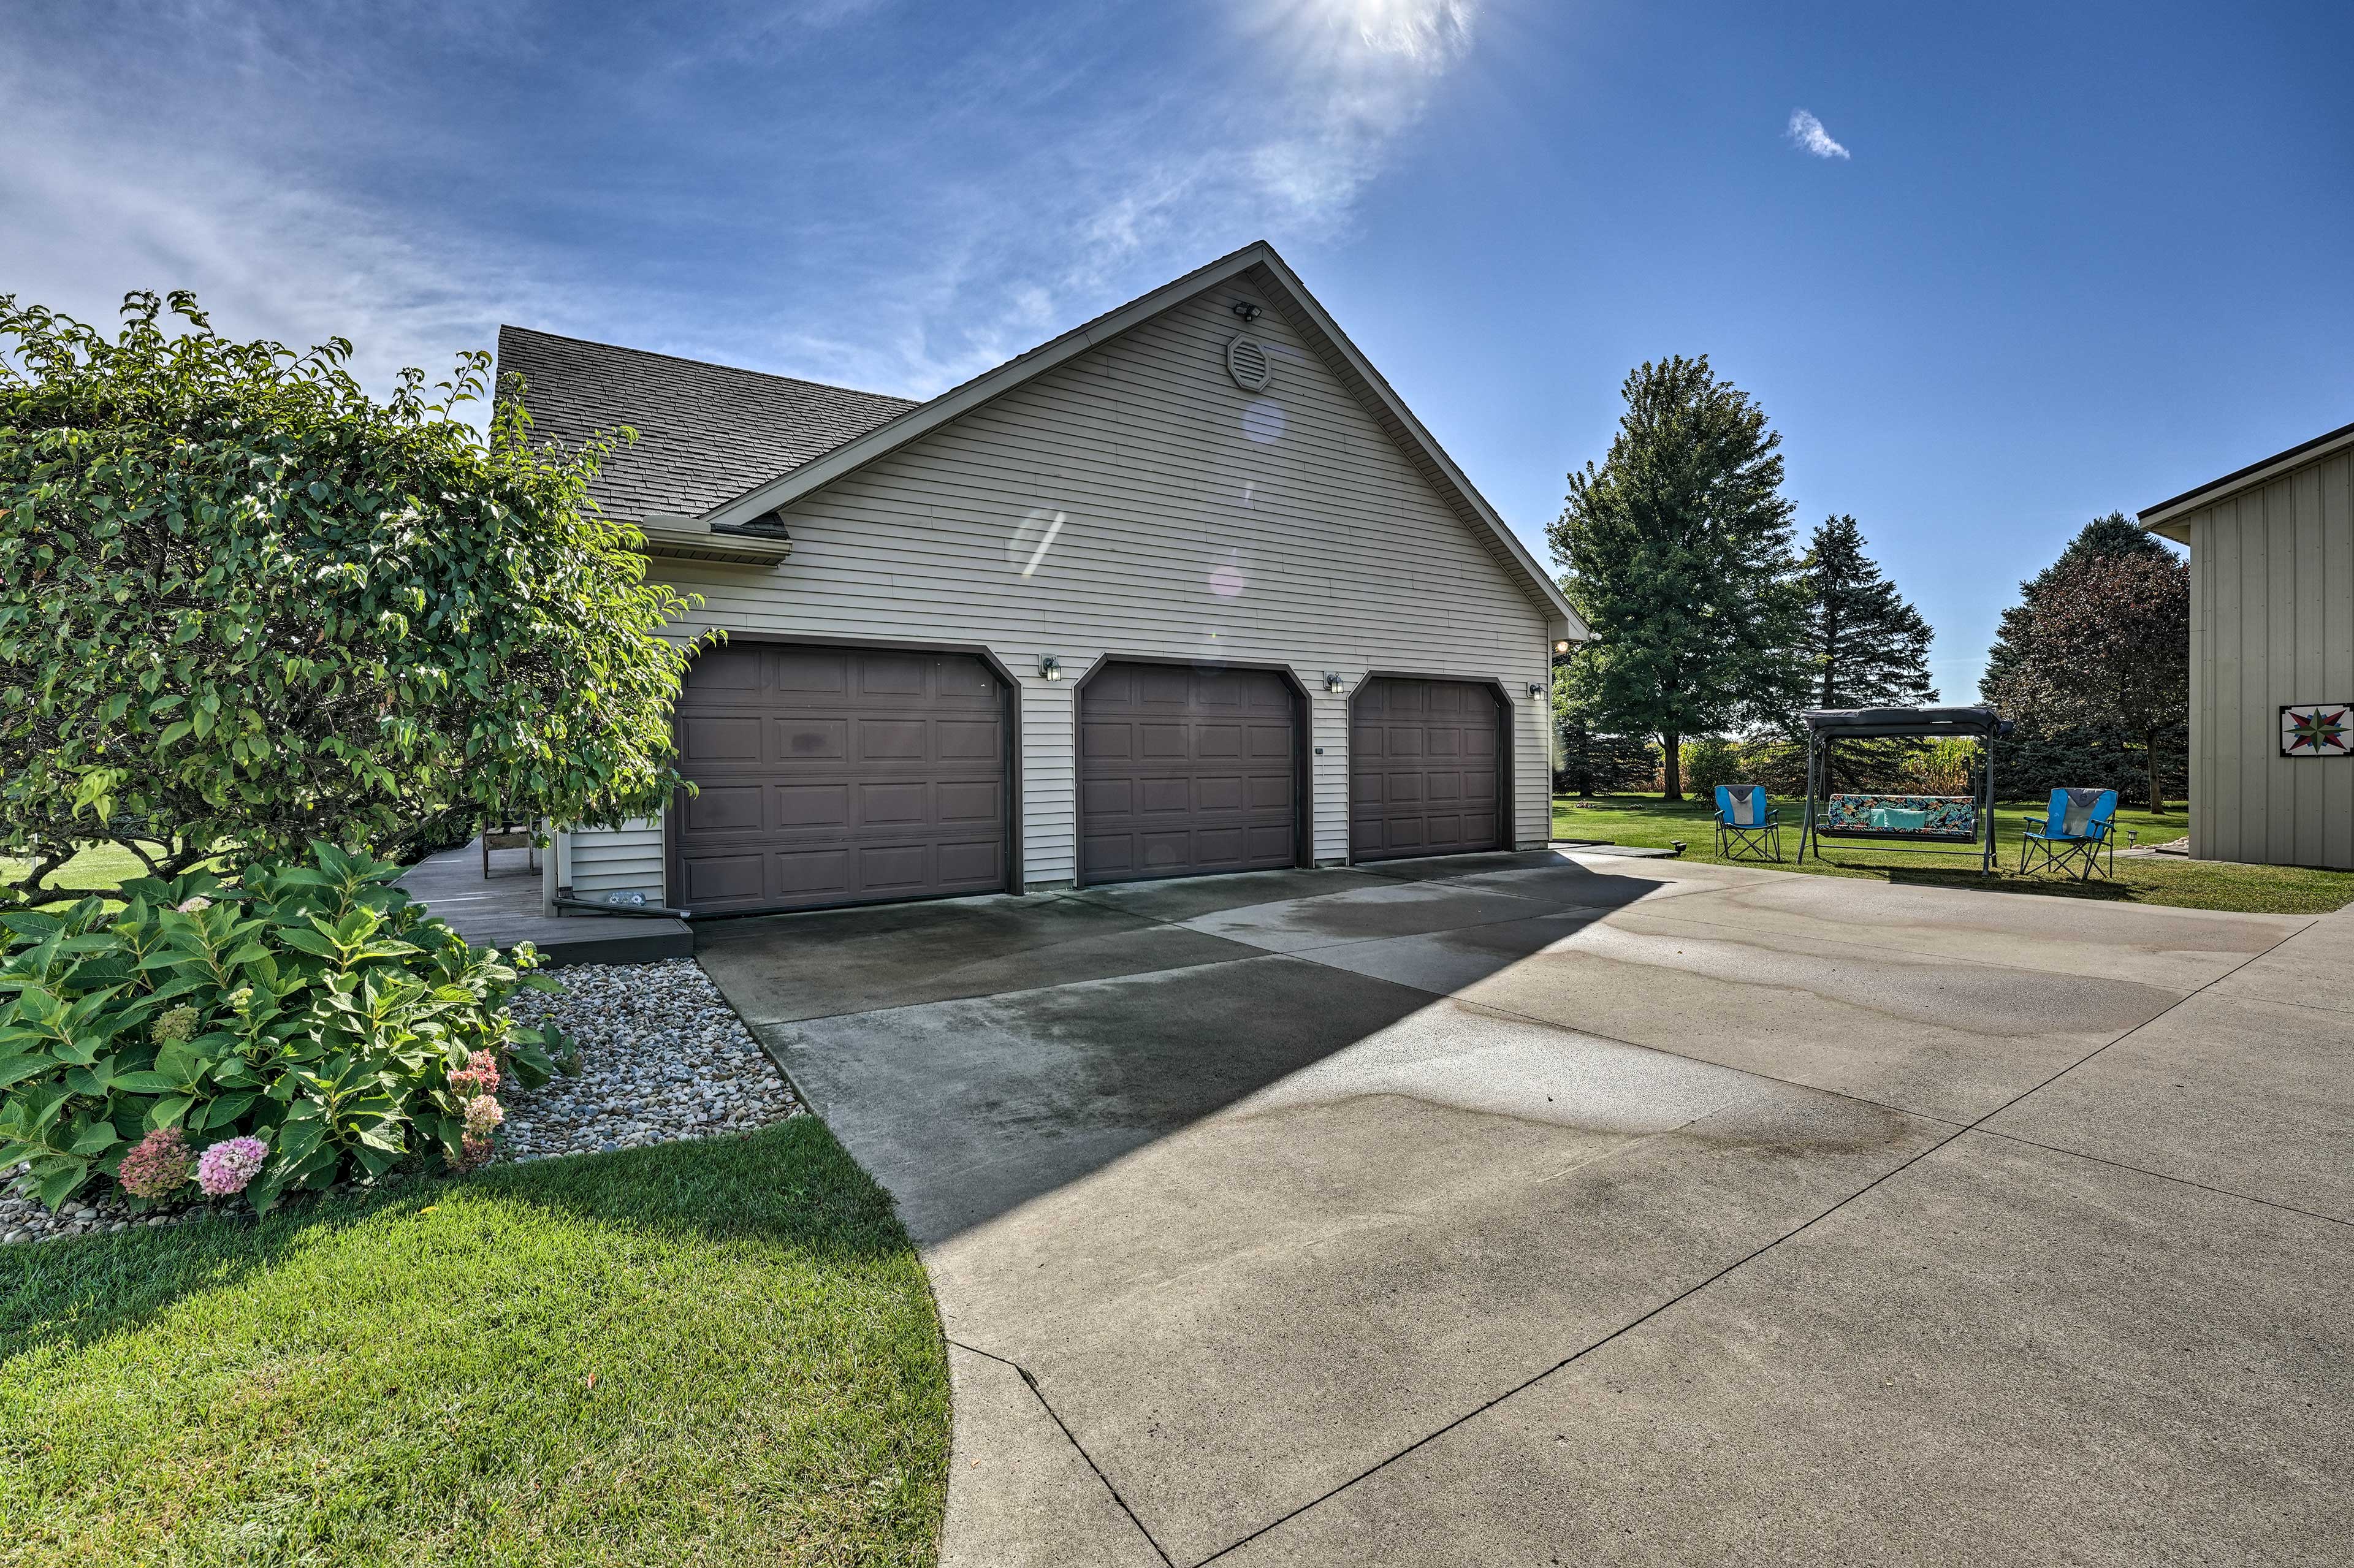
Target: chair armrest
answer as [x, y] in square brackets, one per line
[2038, 824]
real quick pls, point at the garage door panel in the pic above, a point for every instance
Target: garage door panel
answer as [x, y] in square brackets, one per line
[1424, 769]
[971, 867]
[1108, 741]
[894, 805]
[719, 740]
[810, 740]
[967, 740]
[1205, 782]
[893, 868]
[726, 877]
[870, 775]
[1161, 796]
[893, 674]
[818, 670]
[973, 800]
[893, 740]
[810, 806]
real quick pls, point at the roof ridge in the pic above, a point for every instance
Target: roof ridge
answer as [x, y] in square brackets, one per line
[505, 327]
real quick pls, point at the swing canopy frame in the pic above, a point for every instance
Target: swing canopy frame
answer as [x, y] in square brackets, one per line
[1912, 821]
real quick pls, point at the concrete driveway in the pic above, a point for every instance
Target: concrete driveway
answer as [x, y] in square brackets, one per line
[1528, 1209]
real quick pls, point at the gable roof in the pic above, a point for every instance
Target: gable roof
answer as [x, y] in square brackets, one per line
[728, 446]
[705, 431]
[2161, 518]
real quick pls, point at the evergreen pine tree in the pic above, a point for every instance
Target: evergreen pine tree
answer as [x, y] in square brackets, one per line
[1676, 550]
[1863, 646]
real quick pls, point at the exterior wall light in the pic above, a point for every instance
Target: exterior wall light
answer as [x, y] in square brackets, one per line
[1536, 688]
[1560, 646]
[1049, 667]
[1333, 681]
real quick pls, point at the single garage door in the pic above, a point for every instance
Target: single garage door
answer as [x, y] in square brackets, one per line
[834, 776]
[1185, 771]
[1426, 769]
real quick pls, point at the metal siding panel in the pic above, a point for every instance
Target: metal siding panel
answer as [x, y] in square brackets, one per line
[2336, 500]
[2228, 815]
[2302, 494]
[2280, 670]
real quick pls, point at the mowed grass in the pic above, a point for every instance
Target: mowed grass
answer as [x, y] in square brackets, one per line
[710, 1352]
[1647, 819]
[92, 866]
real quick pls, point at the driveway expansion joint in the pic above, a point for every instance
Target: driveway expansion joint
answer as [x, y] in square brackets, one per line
[1078, 1447]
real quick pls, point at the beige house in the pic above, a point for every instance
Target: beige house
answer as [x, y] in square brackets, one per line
[1187, 590]
[2272, 655]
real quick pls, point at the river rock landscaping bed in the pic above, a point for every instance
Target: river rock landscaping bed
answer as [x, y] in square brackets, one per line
[662, 1058]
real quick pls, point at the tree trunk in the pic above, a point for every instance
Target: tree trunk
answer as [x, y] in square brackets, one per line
[2156, 799]
[1671, 767]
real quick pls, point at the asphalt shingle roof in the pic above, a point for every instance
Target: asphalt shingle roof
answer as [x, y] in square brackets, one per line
[707, 433]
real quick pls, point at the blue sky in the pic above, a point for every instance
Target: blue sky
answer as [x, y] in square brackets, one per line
[2066, 258]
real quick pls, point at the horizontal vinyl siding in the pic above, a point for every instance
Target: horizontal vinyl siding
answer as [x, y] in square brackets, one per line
[1344, 557]
[618, 859]
[2272, 621]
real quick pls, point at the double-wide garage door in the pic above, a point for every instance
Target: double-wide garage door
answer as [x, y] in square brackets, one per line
[1425, 771]
[1185, 771]
[831, 776]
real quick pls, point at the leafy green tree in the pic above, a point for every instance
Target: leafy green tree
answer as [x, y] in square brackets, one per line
[244, 606]
[2113, 537]
[1677, 551]
[1863, 644]
[2107, 642]
[2071, 742]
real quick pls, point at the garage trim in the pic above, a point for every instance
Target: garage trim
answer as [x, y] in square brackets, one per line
[1303, 770]
[1506, 764]
[673, 879]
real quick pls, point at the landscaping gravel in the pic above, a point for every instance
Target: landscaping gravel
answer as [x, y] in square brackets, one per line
[663, 1058]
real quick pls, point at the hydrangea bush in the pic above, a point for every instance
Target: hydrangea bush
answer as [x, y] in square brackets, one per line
[310, 1022]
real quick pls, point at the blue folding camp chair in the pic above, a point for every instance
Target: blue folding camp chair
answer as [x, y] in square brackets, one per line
[2076, 827]
[1746, 822]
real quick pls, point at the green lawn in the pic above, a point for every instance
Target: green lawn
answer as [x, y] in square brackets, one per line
[98, 865]
[702, 1353]
[2189, 883]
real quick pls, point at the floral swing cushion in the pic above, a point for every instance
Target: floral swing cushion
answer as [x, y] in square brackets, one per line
[1930, 816]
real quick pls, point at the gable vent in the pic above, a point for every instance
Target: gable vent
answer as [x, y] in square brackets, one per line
[1247, 362]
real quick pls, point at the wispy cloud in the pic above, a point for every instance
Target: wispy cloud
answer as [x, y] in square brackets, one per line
[1807, 133]
[834, 188]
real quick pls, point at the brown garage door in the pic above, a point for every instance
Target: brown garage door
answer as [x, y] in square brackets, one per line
[838, 775]
[1185, 771]
[1426, 769]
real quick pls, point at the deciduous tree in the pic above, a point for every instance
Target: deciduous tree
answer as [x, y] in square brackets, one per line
[1677, 551]
[244, 605]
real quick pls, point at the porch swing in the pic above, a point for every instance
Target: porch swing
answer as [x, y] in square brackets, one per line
[1907, 820]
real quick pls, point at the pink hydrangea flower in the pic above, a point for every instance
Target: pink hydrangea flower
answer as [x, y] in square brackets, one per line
[479, 1076]
[159, 1165]
[227, 1165]
[484, 1115]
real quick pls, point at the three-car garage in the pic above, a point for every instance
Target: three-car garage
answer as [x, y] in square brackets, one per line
[828, 775]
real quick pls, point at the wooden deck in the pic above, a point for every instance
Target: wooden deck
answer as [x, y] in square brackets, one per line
[504, 909]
